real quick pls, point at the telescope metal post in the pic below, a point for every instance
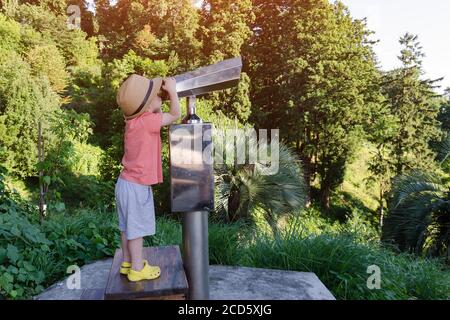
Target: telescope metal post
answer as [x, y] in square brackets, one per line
[192, 184]
[195, 236]
[190, 105]
[195, 251]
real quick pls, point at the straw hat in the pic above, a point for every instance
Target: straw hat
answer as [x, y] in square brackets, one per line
[136, 93]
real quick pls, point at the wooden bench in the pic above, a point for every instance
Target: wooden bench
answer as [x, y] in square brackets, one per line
[171, 285]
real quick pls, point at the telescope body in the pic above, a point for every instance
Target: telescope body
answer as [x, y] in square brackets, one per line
[219, 76]
[191, 169]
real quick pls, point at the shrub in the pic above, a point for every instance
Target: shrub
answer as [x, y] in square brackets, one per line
[20, 241]
[34, 256]
[419, 214]
[243, 189]
[341, 264]
[85, 192]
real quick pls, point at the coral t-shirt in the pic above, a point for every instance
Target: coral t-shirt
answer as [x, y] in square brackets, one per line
[142, 144]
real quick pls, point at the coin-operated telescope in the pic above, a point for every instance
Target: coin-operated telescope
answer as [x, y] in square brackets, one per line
[191, 168]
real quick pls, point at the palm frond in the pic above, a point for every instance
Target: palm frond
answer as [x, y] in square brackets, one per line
[255, 185]
[418, 211]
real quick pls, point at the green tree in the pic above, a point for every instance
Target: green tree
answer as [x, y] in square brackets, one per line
[23, 100]
[381, 129]
[30, 79]
[415, 105]
[159, 30]
[442, 147]
[444, 114]
[54, 69]
[74, 45]
[59, 8]
[225, 28]
[312, 69]
[405, 125]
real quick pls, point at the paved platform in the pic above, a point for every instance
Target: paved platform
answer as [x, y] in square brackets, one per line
[226, 283]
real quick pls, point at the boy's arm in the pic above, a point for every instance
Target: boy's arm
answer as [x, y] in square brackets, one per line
[174, 113]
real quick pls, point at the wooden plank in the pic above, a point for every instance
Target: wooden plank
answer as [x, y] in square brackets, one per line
[172, 281]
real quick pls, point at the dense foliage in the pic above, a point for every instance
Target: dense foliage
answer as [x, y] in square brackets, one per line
[309, 70]
[419, 219]
[34, 256]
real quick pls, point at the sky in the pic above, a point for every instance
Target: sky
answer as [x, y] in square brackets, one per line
[390, 19]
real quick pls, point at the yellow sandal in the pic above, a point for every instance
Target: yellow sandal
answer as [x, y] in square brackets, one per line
[147, 273]
[125, 268]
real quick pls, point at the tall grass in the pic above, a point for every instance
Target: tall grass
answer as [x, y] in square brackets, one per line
[338, 254]
[342, 264]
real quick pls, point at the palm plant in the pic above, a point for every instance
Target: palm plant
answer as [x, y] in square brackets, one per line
[419, 214]
[244, 189]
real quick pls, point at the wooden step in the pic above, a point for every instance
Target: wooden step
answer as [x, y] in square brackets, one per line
[171, 285]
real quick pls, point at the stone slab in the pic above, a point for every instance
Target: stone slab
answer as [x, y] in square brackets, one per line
[226, 283]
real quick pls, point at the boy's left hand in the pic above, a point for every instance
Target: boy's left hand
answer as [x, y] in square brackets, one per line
[170, 85]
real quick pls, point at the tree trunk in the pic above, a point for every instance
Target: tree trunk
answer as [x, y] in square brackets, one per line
[233, 204]
[307, 177]
[324, 196]
[42, 205]
[381, 204]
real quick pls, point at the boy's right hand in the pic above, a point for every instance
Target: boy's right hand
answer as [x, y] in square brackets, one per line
[170, 85]
[174, 113]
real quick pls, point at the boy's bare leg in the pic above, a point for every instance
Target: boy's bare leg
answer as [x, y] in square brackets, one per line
[125, 251]
[135, 247]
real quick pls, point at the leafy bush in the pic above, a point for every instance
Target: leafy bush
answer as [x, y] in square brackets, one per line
[243, 189]
[85, 192]
[20, 241]
[419, 214]
[34, 256]
[339, 261]
[85, 159]
[341, 264]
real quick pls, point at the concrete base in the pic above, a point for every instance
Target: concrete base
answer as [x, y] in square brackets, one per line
[240, 283]
[226, 283]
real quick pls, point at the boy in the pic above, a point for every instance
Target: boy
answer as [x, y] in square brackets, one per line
[140, 101]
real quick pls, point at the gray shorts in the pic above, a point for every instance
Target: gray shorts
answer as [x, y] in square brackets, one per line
[135, 209]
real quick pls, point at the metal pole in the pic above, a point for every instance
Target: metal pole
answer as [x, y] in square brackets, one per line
[188, 192]
[195, 236]
[195, 253]
[191, 107]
